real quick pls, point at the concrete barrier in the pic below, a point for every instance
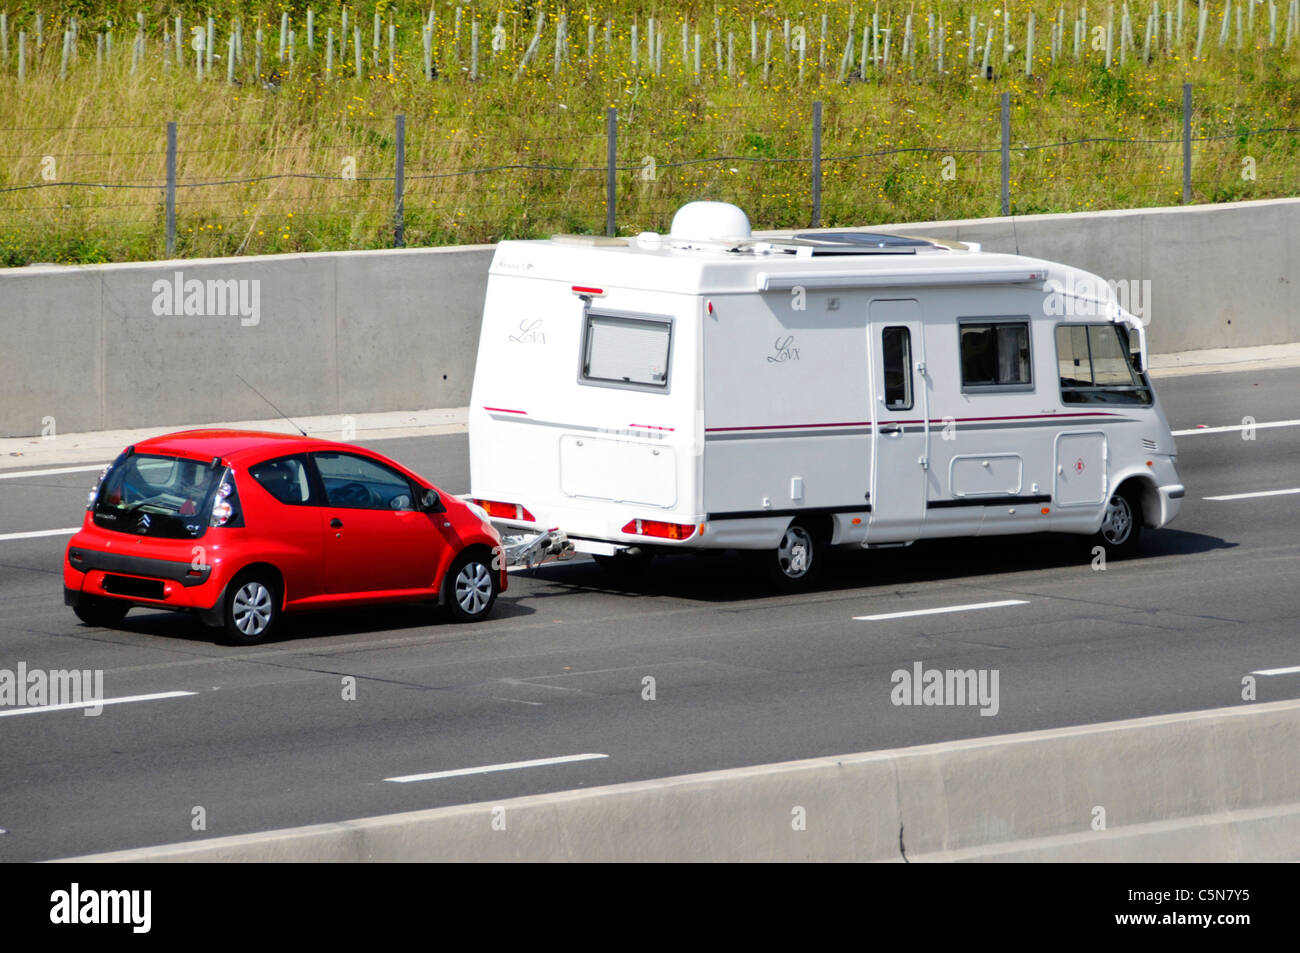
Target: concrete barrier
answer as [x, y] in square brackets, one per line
[1217, 785]
[105, 347]
[1221, 275]
[101, 347]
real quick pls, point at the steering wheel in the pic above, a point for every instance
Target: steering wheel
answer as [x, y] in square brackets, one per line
[352, 494]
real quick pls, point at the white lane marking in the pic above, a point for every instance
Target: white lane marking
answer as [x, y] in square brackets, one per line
[5, 475]
[1251, 496]
[973, 605]
[93, 703]
[1236, 427]
[1278, 671]
[488, 768]
[41, 532]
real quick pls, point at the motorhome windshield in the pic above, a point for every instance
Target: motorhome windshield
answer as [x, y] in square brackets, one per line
[1096, 366]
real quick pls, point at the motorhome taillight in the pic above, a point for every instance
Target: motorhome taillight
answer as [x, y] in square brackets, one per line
[507, 511]
[659, 529]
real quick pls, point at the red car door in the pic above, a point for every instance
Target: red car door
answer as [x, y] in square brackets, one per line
[293, 518]
[375, 538]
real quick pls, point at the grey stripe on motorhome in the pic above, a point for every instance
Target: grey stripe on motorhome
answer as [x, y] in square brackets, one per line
[915, 428]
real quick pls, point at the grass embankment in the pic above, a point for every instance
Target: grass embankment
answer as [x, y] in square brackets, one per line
[326, 137]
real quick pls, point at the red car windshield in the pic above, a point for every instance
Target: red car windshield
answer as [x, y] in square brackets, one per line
[154, 495]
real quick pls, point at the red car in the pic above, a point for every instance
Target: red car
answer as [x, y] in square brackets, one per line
[240, 526]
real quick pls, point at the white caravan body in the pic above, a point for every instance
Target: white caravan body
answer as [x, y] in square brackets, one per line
[707, 389]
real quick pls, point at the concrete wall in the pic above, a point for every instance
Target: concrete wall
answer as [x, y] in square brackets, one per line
[1218, 785]
[1221, 275]
[356, 332]
[345, 332]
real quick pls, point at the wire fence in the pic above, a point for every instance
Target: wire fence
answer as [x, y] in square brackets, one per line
[391, 183]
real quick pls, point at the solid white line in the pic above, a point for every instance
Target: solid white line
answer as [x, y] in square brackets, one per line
[1235, 427]
[487, 768]
[973, 605]
[6, 475]
[1251, 496]
[41, 532]
[93, 704]
[1278, 671]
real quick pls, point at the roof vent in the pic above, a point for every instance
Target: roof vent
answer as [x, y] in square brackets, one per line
[710, 222]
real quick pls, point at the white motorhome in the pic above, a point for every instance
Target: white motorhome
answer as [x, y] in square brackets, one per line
[707, 389]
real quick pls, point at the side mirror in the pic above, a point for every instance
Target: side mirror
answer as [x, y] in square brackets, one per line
[430, 502]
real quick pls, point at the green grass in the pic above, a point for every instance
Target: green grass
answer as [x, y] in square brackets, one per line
[307, 127]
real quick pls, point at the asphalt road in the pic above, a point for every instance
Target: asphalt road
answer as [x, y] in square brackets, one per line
[741, 677]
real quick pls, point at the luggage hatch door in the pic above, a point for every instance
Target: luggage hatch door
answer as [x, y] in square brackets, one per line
[621, 471]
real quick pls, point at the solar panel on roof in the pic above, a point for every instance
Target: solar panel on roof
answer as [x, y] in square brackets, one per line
[861, 240]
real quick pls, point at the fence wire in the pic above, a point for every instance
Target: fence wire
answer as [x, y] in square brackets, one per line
[461, 186]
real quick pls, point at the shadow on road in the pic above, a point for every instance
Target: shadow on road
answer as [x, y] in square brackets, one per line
[730, 577]
[310, 625]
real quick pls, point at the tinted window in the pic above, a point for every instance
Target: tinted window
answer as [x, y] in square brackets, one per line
[285, 479]
[156, 495]
[995, 354]
[1096, 366]
[359, 483]
[896, 349]
[632, 351]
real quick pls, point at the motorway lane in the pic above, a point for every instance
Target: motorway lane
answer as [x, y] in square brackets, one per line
[742, 677]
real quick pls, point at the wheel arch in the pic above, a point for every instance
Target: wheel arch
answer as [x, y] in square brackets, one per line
[476, 548]
[260, 566]
[821, 525]
[1141, 486]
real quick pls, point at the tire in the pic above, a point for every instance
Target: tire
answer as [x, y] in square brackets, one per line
[1121, 524]
[97, 611]
[797, 560]
[252, 607]
[472, 586]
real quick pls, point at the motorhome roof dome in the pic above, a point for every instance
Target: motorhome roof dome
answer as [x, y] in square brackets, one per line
[710, 221]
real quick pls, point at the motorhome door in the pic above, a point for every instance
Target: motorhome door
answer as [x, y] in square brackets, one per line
[900, 417]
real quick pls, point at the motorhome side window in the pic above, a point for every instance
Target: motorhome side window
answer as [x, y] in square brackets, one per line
[625, 351]
[995, 354]
[896, 348]
[1096, 366]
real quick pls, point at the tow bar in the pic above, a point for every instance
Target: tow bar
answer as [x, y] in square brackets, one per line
[532, 549]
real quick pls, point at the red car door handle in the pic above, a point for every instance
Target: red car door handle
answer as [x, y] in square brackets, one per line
[336, 523]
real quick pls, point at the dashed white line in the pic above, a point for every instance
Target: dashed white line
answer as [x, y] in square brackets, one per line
[10, 475]
[1292, 670]
[1237, 427]
[488, 768]
[1251, 496]
[965, 608]
[93, 703]
[41, 532]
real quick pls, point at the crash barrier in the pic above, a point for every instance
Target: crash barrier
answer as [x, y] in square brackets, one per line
[98, 347]
[1217, 785]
